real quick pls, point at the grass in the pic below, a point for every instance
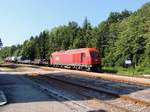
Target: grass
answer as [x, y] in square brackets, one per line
[127, 71]
[1, 61]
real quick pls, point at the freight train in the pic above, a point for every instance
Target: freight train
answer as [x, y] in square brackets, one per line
[83, 59]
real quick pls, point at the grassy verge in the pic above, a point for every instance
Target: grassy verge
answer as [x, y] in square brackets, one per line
[1, 61]
[127, 71]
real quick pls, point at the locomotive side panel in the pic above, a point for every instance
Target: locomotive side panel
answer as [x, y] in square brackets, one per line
[66, 58]
[76, 58]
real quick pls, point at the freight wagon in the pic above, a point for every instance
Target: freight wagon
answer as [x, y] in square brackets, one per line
[84, 58]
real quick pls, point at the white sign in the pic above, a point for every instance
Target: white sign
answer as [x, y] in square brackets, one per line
[128, 62]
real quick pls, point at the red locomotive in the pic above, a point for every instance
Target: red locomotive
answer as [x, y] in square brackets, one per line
[84, 58]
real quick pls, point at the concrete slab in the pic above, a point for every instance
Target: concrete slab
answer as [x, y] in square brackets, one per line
[3, 99]
[143, 95]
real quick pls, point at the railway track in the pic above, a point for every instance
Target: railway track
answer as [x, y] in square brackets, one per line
[75, 107]
[99, 94]
[72, 98]
[131, 102]
[138, 80]
[106, 76]
[114, 101]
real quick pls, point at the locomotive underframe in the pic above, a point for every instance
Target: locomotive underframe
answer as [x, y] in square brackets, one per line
[79, 66]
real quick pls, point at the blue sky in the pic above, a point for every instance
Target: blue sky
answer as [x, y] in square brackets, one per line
[19, 19]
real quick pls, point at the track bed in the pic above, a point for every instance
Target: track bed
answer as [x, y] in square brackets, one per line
[71, 91]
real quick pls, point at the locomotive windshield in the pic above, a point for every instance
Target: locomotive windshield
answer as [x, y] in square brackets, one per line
[94, 54]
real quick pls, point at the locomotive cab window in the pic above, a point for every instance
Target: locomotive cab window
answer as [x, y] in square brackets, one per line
[82, 54]
[94, 54]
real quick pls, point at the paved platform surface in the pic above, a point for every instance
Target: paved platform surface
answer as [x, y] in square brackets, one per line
[3, 99]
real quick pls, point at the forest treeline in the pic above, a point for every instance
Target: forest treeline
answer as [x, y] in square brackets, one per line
[124, 35]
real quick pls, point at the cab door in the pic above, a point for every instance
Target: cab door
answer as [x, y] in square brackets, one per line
[83, 58]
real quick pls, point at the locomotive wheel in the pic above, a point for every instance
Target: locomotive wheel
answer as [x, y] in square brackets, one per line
[88, 69]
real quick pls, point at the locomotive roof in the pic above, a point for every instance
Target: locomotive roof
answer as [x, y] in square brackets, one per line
[76, 50]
